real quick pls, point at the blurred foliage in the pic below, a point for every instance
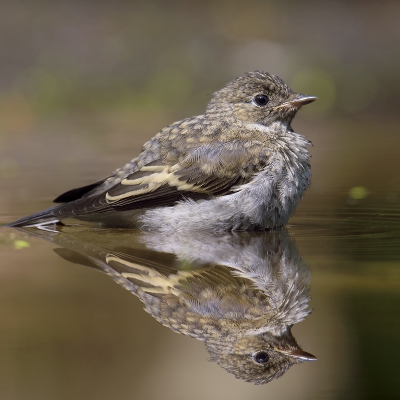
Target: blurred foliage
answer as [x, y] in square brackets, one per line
[357, 193]
[14, 240]
[21, 244]
[88, 56]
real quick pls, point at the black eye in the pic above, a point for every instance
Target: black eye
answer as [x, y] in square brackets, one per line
[261, 357]
[261, 100]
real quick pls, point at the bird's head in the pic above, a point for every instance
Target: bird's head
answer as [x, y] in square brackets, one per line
[258, 97]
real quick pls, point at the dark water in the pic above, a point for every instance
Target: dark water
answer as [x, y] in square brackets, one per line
[69, 331]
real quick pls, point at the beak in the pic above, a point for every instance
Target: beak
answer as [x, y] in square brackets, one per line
[302, 100]
[299, 101]
[301, 355]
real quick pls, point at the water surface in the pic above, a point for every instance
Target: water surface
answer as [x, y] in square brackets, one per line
[69, 331]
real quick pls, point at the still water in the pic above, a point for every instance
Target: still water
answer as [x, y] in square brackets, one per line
[326, 286]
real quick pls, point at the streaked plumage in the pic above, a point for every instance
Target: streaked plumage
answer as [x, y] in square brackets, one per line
[237, 166]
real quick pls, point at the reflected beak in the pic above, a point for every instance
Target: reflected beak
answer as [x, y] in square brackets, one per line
[300, 354]
[299, 101]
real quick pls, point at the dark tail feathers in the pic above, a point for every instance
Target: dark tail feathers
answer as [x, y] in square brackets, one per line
[41, 217]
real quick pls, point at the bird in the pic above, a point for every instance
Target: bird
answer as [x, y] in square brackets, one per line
[237, 166]
[239, 293]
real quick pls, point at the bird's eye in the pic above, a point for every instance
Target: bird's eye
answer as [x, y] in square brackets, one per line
[261, 357]
[261, 100]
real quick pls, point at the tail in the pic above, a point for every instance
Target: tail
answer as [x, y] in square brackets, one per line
[40, 218]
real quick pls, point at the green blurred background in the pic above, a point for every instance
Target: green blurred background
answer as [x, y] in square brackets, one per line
[86, 56]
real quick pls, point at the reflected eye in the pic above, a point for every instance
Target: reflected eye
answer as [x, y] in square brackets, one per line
[261, 357]
[261, 100]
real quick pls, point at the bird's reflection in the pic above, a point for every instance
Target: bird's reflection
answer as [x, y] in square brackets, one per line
[239, 293]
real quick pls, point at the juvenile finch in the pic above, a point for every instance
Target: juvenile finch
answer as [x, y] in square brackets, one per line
[238, 166]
